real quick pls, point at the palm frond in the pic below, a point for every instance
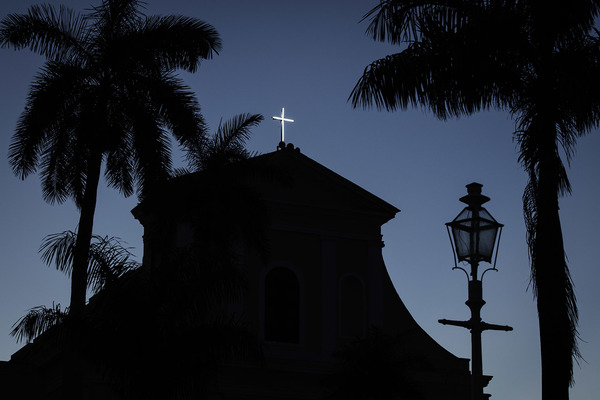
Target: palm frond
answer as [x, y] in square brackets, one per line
[119, 168]
[111, 18]
[38, 320]
[578, 66]
[58, 249]
[424, 76]
[227, 145]
[109, 260]
[450, 70]
[48, 105]
[176, 106]
[152, 158]
[177, 42]
[61, 168]
[177, 172]
[235, 132]
[530, 217]
[55, 33]
[405, 21]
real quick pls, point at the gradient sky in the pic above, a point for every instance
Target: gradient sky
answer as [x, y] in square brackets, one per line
[306, 56]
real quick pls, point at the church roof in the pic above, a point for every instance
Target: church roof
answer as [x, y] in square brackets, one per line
[288, 177]
[311, 184]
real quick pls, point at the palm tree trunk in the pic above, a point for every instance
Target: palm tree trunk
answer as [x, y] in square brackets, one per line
[73, 372]
[84, 236]
[552, 281]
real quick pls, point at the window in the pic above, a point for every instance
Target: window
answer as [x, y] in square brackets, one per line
[282, 306]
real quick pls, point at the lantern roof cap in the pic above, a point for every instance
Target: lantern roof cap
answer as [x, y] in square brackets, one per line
[474, 198]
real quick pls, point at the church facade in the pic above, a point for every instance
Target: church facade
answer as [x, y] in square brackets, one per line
[323, 285]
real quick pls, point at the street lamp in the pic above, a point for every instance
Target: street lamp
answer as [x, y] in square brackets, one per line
[474, 235]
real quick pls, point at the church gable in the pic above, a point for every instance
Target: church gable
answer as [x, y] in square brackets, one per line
[311, 184]
[307, 195]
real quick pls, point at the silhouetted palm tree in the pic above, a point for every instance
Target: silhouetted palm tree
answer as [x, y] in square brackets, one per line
[107, 95]
[108, 259]
[177, 309]
[226, 146]
[178, 306]
[37, 321]
[538, 60]
[225, 189]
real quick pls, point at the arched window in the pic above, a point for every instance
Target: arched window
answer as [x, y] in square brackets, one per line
[352, 307]
[282, 306]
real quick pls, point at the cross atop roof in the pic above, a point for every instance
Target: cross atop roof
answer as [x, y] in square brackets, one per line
[283, 121]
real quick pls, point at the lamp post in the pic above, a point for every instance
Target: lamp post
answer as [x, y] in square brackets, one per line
[474, 234]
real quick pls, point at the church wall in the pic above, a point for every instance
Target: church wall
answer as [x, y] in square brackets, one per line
[322, 260]
[351, 274]
[329, 237]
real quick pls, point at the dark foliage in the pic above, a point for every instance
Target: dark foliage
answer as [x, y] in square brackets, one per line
[538, 60]
[107, 95]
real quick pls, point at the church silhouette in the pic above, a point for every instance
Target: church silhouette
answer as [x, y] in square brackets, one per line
[319, 285]
[323, 284]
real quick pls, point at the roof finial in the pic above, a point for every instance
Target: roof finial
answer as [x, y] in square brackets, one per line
[283, 120]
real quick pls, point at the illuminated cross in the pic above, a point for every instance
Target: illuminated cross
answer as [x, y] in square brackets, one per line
[283, 120]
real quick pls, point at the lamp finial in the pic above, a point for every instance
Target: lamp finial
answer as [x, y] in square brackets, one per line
[474, 196]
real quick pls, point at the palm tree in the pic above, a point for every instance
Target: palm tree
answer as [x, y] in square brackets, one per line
[107, 95]
[539, 61]
[225, 166]
[178, 307]
[109, 260]
[37, 321]
[174, 310]
[226, 146]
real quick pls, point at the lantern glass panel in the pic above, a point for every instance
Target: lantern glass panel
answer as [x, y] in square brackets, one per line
[474, 238]
[462, 243]
[461, 233]
[488, 229]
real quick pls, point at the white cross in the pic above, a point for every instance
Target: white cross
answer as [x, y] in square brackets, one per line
[283, 120]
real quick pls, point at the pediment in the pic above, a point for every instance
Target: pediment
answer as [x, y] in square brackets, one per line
[312, 186]
[293, 184]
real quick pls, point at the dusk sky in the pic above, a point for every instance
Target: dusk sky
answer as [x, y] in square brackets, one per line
[306, 56]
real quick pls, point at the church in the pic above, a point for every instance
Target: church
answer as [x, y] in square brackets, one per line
[322, 285]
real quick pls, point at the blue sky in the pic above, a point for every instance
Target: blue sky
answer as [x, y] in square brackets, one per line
[306, 56]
